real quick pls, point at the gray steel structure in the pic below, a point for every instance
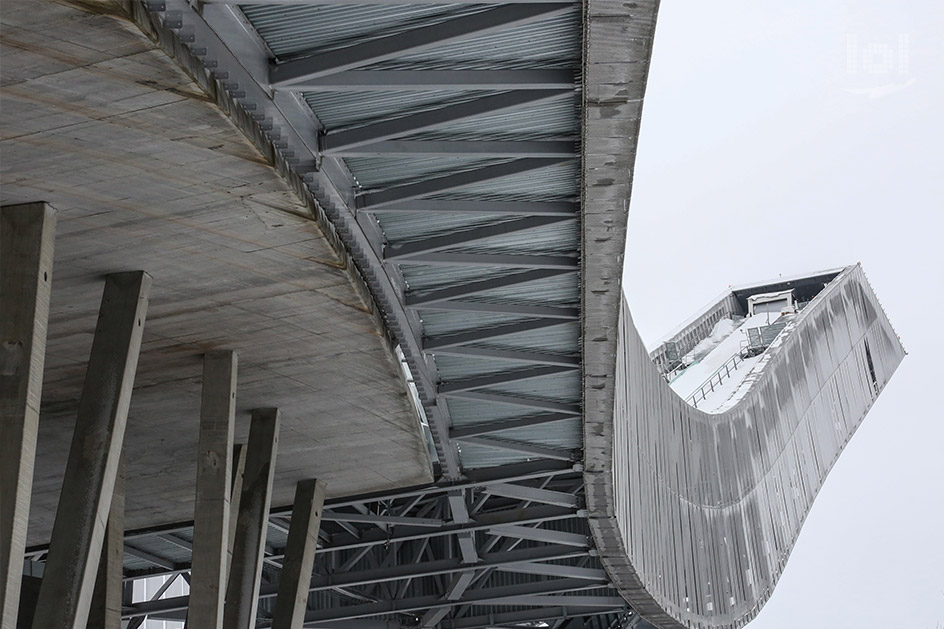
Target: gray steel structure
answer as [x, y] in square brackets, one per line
[476, 162]
[695, 514]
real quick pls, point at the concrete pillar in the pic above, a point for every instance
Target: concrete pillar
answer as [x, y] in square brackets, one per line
[29, 594]
[236, 492]
[27, 234]
[85, 501]
[299, 561]
[245, 571]
[105, 611]
[214, 483]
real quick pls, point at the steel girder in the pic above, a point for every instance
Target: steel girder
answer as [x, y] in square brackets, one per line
[399, 558]
[421, 121]
[452, 206]
[399, 80]
[354, 210]
[548, 148]
[391, 46]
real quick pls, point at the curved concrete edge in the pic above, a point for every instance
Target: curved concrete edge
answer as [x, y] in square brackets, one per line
[618, 38]
[326, 206]
[614, 77]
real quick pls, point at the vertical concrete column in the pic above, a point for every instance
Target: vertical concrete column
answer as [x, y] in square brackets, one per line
[105, 611]
[245, 571]
[29, 594]
[299, 561]
[27, 235]
[85, 501]
[214, 483]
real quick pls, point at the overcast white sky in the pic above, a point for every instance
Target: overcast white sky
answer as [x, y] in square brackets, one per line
[790, 137]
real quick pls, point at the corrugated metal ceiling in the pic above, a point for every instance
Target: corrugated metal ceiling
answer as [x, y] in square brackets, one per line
[294, 29]
[546, 42]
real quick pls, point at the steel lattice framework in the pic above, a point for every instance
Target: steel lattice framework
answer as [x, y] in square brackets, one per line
[509, 545]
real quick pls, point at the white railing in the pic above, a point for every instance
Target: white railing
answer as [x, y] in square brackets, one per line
[714, 380]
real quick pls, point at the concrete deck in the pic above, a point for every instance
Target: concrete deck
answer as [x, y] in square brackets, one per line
[147, 173]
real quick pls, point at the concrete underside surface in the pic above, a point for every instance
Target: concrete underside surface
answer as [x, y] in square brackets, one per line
[148, 174]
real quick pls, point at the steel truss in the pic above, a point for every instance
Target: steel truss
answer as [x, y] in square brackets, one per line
[510, 544]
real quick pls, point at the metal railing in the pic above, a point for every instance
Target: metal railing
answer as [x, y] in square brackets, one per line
[714, 380]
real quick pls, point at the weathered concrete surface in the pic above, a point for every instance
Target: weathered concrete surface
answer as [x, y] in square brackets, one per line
[245, 573]
[147, 173]
[211, 542]
[299, 561]
[27, 242]
[85, 503]
[105, 612]
[618, 40]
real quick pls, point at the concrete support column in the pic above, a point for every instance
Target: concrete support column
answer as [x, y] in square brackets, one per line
[299, 560]
[27, 234]
[85, 501]
[245, 572]
[29, 594]
[214, 483]
[236, 492]
[105, 611]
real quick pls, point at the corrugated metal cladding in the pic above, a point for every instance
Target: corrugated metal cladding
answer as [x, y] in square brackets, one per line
[295, 30]
[551, 121]
[303, 30]
[737, 485]
[500, 299]
[335, 111]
